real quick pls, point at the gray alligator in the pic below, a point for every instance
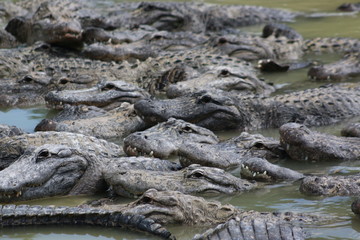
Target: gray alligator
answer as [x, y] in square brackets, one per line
[217, 111]
[53, 170]
[257, 229]
[26, 215]
[351, 130]
[9, 131]
[305, 145]
[165, 139]
[116, 123]
[331, 185]
[12, 147]
[192, 179]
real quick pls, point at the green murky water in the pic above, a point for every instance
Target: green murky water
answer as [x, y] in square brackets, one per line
[279, 197]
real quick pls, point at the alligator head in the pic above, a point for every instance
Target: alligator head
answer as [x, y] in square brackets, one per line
[193, 179]
[240, 79]
[46, 171]
[346, 68]
[351, 130]
[164, 139]
[303, 144]
[205, 109]
[103, 95]
[169, 207]
[331, 185]
[262, 170]
[230, 153]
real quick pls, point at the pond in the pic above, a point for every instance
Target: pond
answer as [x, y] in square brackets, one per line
[278, 197]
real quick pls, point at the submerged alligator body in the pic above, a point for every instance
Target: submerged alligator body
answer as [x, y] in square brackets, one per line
[303, 144]
[193, 179]
[331, 185]
[55, 170]
[217, 111]
[26, 215]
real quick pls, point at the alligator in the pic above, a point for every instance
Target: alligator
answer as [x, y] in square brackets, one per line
[12, 147]
[155, 74]
[104, 94]
[343, 69]
[351, 130]
[256, 229]
[72, 170]
[331, 185]
[27, 215]
[355, 206]
[165, 139]
[114, 124]
[219, 110]
[302, 144]
[260, 169]
[175, 207]
[9, 131]
[349, 7]
[192, 179]
[230, 153]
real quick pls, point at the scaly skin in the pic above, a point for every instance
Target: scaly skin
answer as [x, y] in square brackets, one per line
[169, 207]
[27, 215]
[344, 69]
[305, 145]
[257, 229]
[12, 147]
[331, 185]
[230, 153]
[313, 107]
[56, 170]
[192, 179]
[165, 139]
[117, 123]
[9, 131]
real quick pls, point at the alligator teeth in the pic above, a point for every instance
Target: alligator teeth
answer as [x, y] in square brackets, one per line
[254, 174]
[246, 167]
[265, 172]
[242, 165]
[151, 154]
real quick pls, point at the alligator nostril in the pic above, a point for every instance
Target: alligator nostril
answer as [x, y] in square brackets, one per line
[222, 40]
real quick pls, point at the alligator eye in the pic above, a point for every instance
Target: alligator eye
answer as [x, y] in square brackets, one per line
[187, 129]
[222, 40]
[197, 175]
[43, 154]
[108, 87]
[146, 200]
[157, 37]
[205, 99]
[27, 79]
[63, 81]
[224, 73]
[258, 145]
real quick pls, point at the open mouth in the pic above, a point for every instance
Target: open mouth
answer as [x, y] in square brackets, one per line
[247, 172]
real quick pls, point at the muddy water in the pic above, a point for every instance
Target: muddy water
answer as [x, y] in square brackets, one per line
[278, 197]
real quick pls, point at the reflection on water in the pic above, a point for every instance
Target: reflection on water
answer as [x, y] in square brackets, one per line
[278, 197]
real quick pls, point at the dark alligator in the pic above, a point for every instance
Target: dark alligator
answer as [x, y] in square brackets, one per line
[27, 215]
[192, 179]
[256, 229]
[200, 17]
[12, 147]
[165, 139]
[351, 130]
[116, 123]
[230, 153]
[349, 7]
[344, 69]
[331, 185]
[72, 170]
[305, 145]
[103, 95]
[217, 111]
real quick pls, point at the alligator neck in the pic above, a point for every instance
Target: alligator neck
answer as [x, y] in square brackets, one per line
[24, 215]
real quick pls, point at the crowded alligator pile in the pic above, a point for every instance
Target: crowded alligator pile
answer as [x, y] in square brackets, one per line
[138, 89]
